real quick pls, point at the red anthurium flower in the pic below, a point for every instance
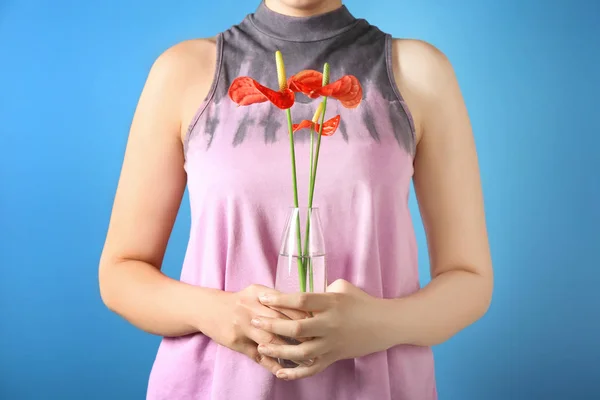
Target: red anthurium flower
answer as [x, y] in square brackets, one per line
[245, 91]
[329, 126]
[347, 89]
[307, 82]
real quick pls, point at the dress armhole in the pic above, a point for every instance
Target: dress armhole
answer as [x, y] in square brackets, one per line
[390, 71]
[209, 97]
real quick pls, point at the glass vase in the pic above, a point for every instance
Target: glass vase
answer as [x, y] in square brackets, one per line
[301, 266]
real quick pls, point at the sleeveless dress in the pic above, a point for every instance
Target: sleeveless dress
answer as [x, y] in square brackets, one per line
[240, 190]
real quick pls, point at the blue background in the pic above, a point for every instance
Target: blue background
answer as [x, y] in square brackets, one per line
[70, 76]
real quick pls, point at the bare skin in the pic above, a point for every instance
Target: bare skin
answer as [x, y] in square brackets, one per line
[152, 183]
[303, 8]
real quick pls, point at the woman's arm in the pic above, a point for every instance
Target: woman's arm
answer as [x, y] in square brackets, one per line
[148, 197]
[448, 189]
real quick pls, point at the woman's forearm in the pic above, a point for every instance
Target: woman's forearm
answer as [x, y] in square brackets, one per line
[450, 302]
[155, 303]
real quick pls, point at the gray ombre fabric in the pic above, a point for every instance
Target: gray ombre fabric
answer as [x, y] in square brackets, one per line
[240, 187]
[351, 46]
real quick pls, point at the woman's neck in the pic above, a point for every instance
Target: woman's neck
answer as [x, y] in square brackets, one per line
[309, 10]
[304, 25]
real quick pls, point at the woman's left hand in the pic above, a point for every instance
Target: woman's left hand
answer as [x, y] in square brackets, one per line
[346, 323]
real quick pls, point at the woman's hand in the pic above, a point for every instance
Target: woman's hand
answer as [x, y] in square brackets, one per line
[234, 330]
[346, 324]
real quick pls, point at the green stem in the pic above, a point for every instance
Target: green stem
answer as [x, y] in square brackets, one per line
[293, 154]
[308, 214]
[307, 246]
[316, 162]
[311, 284]
[313, 173]
[312, 150]
[301, 269]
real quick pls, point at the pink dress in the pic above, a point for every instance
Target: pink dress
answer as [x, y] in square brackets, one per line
[239, 181]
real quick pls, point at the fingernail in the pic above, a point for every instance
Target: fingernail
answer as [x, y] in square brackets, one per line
[263, 349]
[264, 298]
[306, 363]
[255, 322]
[281, 375]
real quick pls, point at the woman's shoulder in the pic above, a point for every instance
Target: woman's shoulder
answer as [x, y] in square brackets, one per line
[194, 57]
[420, 57]
[422, 72]
[185, 71]
[191, 48]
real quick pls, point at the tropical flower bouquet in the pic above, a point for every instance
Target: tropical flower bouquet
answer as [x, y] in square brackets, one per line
[301, 264]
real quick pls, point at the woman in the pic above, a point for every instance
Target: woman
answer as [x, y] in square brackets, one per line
[371, 333]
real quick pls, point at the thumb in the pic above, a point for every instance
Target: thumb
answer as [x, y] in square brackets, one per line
[341, 286]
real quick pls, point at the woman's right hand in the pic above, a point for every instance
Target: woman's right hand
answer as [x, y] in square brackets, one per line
[234, 330]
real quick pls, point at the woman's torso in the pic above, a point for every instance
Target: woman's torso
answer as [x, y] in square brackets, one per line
[239, 181]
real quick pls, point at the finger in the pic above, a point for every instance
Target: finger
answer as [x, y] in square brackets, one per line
[277, 314]
[266, 338]
[300, 372]
[304, 328]
[307, 351]
[268, 363]
[273, 312]
[298, 301]
[259, 336]
[260, 309]
[288, 313]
